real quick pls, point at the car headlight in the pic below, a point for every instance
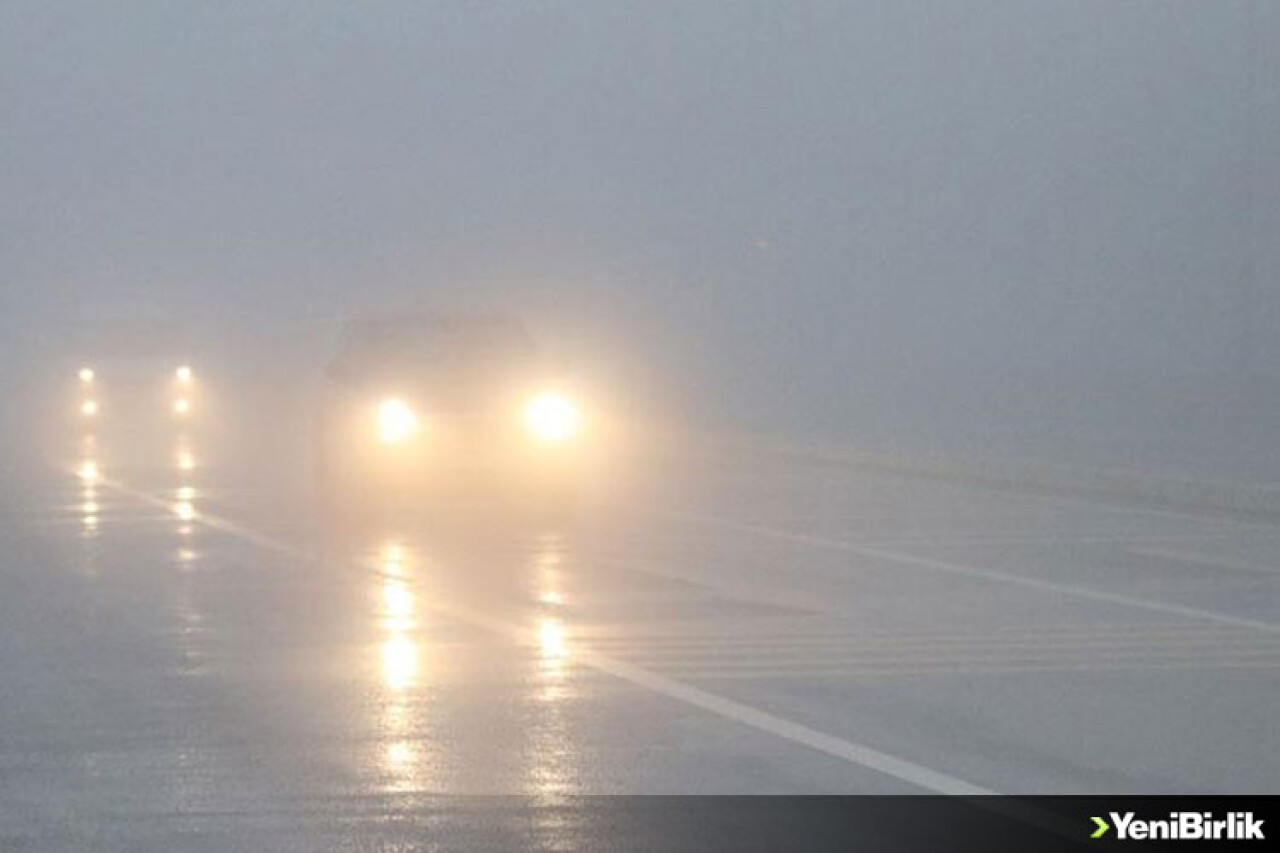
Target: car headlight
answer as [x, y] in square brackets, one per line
[396, 421]
[181, 406]
[552, 417]
[86, 375]
[183, 374]
[89, 408]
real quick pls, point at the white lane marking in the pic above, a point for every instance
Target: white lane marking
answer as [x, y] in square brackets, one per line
[1053, 538]
[739, 655]
[729, 709]
[742, 591]
[907, 771]
[1103, 501]
[1204, 560]
[899, 768]
[1119, 505]
[967, 670]
[831, 544]
[999, 636]
[777, 656]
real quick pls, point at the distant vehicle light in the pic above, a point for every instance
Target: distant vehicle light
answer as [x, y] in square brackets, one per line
[86, 375]
[88, 470]
[552, 417]
[396, 421]
[181, 406]
[183, 374]
[89, 408]
[552, 640]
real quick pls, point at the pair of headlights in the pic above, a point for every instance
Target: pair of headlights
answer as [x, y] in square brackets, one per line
[549, 417]
[89, 405]
[182, 403]
[182, 374]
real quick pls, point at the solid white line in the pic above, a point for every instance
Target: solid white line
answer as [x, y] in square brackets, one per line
[729, 709]
[750, 593]
[887, 555]
[907, 771]
[1096, 500]
[900, 768]
[1203, 560]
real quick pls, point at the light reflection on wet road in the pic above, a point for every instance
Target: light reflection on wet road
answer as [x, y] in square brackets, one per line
[168, 659]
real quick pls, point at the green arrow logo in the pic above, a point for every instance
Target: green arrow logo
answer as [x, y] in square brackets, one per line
[1103, 826]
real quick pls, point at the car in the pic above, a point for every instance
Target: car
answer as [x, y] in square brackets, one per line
[132, 378]
[438, 406]
[127, 394]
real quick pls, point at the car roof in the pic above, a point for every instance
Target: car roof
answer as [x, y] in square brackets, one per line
[135, 339]
[380, 341]
[476, 325]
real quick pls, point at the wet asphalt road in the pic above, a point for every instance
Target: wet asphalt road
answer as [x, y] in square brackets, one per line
[195, 659]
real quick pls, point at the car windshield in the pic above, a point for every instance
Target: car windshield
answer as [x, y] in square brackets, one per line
[143, 341]
[439, 347]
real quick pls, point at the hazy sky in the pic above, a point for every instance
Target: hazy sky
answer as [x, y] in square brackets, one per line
[779, 193]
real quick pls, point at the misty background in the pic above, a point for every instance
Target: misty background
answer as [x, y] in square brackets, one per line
[1041, 224]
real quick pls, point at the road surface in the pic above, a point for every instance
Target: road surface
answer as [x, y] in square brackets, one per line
[192, 658]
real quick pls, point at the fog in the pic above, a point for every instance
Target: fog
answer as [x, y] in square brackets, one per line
[833, 219]
[410, 400]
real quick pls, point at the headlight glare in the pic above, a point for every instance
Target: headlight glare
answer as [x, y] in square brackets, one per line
[396, 420]
[552, 417]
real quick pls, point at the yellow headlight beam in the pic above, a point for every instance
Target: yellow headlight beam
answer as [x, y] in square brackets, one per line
[552, 418]
[396, 421]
